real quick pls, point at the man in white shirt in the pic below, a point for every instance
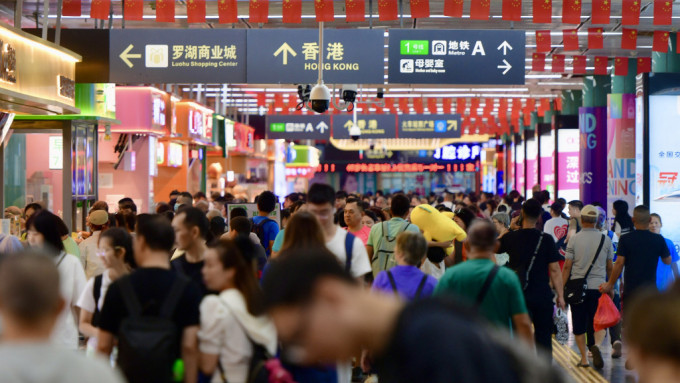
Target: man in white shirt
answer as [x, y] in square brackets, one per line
[30, 305]
[98, 222]
[321, 203]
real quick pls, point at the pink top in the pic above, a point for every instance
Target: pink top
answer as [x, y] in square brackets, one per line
[362, 234]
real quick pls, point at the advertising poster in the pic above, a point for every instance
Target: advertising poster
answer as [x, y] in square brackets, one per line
[519, 168]
[547, 149]
[592, 123]
[620, 151]
[568, 164]
[664, 163]
[639, 149]
[532, 165]
[510, 177]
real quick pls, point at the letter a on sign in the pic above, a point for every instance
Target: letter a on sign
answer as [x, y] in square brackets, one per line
[479, 48]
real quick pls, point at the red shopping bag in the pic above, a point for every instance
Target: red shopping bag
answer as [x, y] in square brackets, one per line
[607, 314]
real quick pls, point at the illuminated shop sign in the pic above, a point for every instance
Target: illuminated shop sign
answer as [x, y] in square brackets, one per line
[158, 109]
[174, 154]
[458, 152]
[410, 168]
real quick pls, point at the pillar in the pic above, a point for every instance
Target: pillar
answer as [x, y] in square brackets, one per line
[593, 139]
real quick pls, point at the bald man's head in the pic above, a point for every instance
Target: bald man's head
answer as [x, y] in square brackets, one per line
[29, 288]
[482, 235]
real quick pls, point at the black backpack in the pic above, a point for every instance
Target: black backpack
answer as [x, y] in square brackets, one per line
[148, 345]
[258, 229]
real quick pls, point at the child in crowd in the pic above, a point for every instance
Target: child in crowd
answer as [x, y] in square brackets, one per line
[406, 279]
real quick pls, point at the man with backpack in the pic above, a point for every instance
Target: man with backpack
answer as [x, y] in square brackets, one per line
[152, 312]
[494, 290]
[347, 248]
[383, 237]
[264, 227]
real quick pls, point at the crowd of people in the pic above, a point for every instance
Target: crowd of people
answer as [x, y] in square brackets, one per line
[333, 287]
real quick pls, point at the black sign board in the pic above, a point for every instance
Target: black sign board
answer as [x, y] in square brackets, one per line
[177, 55]
[351, 56]
[429, 126]
[294, 127]
[420, 56]
[371, 125]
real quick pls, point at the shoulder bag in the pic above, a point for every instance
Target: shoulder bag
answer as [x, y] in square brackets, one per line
[575, 289]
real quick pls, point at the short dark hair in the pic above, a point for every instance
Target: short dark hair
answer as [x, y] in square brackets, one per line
[194, 217]
[125, 200]
[217, 226]
[121, 238]
[266, 202]
[291, 278]
[45, 223]
[576, 203]
[341, 194]
[174, 192]
[157, 232]
[400, 205]
[557, 207]
[321, 194]
[294, 197]
[360, 203]
[186, 194]
[241, 225]
[238, 212]
[466, 215]
[199, 194]
[33, 206]
[29, 286]
[641, 215]
[482, 235]
[532, 209]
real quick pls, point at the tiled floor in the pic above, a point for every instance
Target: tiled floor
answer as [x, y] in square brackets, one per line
[614, 370]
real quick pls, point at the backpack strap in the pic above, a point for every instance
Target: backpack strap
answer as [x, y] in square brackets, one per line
[487, 284]
[174, 295]
[597, 255]
[421, 286]
[96, 293]
[130, 299]
[393, 283]
[349, 245]
[533, 259]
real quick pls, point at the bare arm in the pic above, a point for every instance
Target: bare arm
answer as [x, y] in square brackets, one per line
[522, 325]
[676, 272]
[269, 248]
[208, 363]
[85, 326]
[667, 260]
[105, 343]
[369, 251]
[616, 273]
[610, 268]
[556, 279]
[190, 354]
[566, 272]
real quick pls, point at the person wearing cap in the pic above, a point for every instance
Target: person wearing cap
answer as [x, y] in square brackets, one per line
[588, 247]
[98, 221]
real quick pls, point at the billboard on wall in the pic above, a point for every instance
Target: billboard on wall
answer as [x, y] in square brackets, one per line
[664, 163]
[568, 164]
[547, 152]
[620, 150]
[593, 154]
[519, 168]
[532, 164]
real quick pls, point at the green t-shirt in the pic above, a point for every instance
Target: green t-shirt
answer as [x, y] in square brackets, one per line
[71, 247]
[504, 298]
[394, 226]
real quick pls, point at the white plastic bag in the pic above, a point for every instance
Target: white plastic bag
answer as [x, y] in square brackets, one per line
[561, 321]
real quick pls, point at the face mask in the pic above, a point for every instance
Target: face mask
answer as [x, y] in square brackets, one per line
[176, 207]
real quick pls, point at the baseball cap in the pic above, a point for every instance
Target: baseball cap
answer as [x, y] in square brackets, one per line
[99, 217]
[590, 211]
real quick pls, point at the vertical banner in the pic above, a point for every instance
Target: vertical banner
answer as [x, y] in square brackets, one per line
[532, 165]
[510, 166]
[547, 152]
[593, 157]
[639, 149]
[568, 180]
[620, 150]
[519, 168]
[664, 164]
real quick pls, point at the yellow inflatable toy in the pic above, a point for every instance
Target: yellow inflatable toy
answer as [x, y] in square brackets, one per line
[437, 226]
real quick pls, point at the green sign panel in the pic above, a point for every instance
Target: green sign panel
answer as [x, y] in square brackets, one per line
[277, 127]
[415, 47]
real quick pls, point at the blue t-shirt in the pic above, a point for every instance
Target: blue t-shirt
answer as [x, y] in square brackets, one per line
[270, 230]
[664, 272]
[407, 279]
[278, 241]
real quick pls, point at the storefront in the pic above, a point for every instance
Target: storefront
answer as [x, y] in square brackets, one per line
[243, 176]
[183, 165]
[31, 102]
[128, 154]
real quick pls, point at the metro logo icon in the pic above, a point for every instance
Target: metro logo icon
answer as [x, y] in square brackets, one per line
[277, 127]
[440, 126]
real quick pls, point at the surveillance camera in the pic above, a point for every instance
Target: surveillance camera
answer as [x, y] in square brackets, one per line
[354, 133]
[349, 93]
[381, 93]
[320, 98]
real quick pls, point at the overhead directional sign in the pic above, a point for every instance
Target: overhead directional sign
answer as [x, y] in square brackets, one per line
[472, 57]
[353, 56]
[429, 126]
[371, 125]
[177, 55]
[295, 127]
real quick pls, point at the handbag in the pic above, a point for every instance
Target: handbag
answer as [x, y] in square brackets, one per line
[575, 289]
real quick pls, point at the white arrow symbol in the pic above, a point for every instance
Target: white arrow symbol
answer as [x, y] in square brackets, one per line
[505, 46]
[321, 127]
[507, 67]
